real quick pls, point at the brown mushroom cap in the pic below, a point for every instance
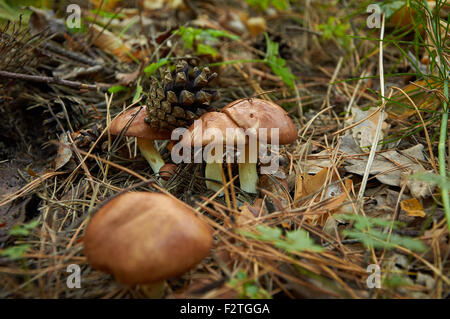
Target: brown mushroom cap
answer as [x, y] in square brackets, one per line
[213, 122]
[138, 127]
[257, 113]
[167, 171]
[244, 114]
[143, 237]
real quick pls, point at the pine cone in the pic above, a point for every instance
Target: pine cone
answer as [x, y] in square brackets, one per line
[181, 98]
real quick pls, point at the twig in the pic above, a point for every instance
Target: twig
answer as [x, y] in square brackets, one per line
[49, 80]
[373, 150]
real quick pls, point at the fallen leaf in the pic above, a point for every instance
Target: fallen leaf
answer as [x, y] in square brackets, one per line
[256, 25]
[42, 20]
[387, 166]
[128, 78]
[412, 207]
[417, 187]
[400, 107]
[364, 133]
[330, 201]
[64, 153]
[105, 5]
[277, 190]
[110, 43]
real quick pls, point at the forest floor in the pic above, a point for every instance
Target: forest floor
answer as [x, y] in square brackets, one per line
[362, 192]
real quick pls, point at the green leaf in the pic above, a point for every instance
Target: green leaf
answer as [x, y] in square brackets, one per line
[366, 233]
[299, 240]
[377, 239]
[396, 281]
[264, 4]
[264, 233]
[221, 33]
[247, 288]
[117, 88]
[206, 49]
[261, 4]
[277, 64]
[202, 39]
[15, 252]
[391, 7]
[363, 222]
[152, 68]
[336, 29]
[24, 230]
[138, 92]
[17, 230]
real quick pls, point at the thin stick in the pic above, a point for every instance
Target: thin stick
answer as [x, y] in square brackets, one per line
[49, 80]
[373, 150]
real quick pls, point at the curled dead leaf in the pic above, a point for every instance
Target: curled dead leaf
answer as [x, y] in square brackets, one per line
[412, 207]
[64, 153]
[324, 199]
[110, 43]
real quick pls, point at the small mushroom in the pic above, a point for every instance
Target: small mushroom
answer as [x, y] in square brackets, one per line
[254, 114]
[133, 124]
[243, 118]
[213, 122]
[145, 238]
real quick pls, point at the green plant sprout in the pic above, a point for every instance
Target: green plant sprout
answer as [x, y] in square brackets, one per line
[336, 29]
[271, 59]
[366, 230]
[296, 240]
[264, 4]
[16, 252]
[200, 40]
[247, 288]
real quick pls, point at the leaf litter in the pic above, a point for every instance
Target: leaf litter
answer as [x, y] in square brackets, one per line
[301, 236]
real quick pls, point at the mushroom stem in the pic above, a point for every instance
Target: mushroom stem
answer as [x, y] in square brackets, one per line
[248, 177]
[150, 153]
[212, 172]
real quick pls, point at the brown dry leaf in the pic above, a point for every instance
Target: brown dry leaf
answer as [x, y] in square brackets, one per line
[64, 153]
[128, 78]
[412, 207]
[277, 190]
[41, 20]
[108, 42]
[105, 5]
[400, 107]
[256, 25]
[249, 213]
[333, 198]
[316, 162]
